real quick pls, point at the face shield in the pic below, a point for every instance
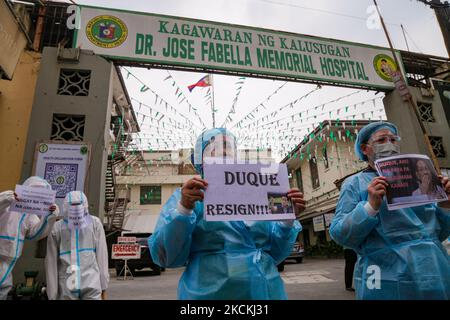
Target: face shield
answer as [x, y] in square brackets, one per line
[221, 147]
[217, 145]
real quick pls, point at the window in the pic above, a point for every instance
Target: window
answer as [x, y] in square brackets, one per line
[314, 172]
[150, 195]
[325, 157]
[298, 178]
[68, 127]
[438, 146]
[425, 112]
[74, 82]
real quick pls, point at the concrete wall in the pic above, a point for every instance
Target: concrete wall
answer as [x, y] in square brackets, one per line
[15, 111]
[97, 109]
[402, 115]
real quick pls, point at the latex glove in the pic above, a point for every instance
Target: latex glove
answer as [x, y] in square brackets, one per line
[8, 196]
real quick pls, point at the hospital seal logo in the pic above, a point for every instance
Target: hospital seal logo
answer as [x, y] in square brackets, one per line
[384, 66]
[106, 31]
[83, 150]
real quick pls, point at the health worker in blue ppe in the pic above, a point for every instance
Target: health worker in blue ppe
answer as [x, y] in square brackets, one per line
[400, 252]
[77, 255]
[16, 227]
[224, 259]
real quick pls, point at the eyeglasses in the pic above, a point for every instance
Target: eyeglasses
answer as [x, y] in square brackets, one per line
[385, 139]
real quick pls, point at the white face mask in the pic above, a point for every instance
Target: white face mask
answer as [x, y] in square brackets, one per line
[385, 150]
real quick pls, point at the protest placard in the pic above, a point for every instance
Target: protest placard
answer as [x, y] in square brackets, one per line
[33, 200]
[246, 192]
[77, 217]
[412, 179]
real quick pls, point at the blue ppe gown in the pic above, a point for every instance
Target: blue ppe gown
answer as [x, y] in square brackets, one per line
[225, 260]
[404, 244]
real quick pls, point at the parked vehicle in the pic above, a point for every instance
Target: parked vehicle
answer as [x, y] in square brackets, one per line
[145, 261]
[297, 254]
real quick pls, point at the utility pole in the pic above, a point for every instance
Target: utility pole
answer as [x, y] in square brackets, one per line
[408, 97]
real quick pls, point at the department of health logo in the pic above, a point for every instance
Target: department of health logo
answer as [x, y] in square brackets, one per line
[384, 66]
[43, 148]
[60, 180]
[106, 31]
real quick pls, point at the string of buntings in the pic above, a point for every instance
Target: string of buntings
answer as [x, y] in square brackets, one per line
[169, 132]
[180, 94]
[189, 123]
[171, 136]
[292, 118]
[261, 104]
[303, 127]
[167, 136]
[162, 139]
[299, 114]
[157, 116]
[239, 84]
[161, 100]
[272, 137]
[274, 113]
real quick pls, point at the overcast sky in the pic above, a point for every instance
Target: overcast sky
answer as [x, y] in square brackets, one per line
[343, 19]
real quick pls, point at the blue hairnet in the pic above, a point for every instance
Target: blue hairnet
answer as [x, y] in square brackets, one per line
[367, 131]
[202, 141]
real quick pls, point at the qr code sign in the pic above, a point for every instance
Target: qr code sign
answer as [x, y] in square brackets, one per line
[62, 177]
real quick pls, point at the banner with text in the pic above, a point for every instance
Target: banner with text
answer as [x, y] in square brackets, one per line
[191, 43]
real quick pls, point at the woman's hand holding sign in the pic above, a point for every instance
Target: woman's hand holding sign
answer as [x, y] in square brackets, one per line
[297, 199]
[446, 184]
[192, 191]
[377, 190]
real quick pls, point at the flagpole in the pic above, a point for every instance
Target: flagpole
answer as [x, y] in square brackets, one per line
[212, 105]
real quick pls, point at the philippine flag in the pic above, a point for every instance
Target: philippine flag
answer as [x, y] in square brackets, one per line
[203, 82]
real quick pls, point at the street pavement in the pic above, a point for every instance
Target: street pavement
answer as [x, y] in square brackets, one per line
[314, 279]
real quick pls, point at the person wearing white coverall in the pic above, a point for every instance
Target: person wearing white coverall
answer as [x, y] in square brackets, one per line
[16, 227]
[77, 258]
